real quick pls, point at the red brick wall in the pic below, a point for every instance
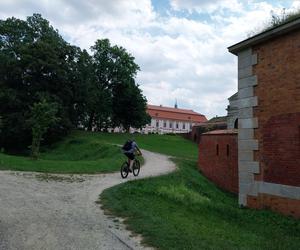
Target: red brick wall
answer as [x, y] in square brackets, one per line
[278, 111]
[222, 169]
[275, 203]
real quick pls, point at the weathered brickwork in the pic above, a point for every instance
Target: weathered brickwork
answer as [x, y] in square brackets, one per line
[269, 119]
[218, 159]
[276, 203]
[278, 113]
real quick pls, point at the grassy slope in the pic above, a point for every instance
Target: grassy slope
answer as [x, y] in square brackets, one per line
[78, 153]
[87, 152]
[184, 210]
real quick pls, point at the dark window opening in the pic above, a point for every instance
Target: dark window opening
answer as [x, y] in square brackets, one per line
[236, 123]
[157, 124]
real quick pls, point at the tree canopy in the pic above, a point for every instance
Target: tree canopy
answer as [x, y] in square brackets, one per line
[91, 91]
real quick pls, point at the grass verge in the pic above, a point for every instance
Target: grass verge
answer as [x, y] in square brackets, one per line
[183, 210]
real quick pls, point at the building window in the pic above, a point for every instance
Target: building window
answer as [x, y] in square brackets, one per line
[171, 125]
[227, 150]
[183, 126]
[157, 124]
[217, 149]
[177, 125]
[165, 124]
[236, 123]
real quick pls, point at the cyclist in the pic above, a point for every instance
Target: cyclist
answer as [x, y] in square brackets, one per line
[129, 149]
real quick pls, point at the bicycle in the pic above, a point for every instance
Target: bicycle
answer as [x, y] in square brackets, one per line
[136, 166]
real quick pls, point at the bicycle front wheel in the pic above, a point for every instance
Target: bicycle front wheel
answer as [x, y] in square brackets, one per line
[124, 170]
[136, 168]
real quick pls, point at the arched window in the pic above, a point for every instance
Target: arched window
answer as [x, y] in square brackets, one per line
[236, 123]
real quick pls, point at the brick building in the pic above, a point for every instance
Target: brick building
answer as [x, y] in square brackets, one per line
[172, 120]
[267, 108]
[269, 119]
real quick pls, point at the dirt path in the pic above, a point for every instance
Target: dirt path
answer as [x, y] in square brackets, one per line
[39, 211]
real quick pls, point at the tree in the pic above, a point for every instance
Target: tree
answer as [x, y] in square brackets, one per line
[35, 60]
[42, 116]
[36, 63]
[130, 106]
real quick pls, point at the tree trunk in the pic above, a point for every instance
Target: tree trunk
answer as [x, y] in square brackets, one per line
[35, 147]
[91, 121]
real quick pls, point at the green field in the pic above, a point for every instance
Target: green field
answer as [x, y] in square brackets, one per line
[184, 210]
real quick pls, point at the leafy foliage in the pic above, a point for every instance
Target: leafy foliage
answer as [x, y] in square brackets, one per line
[276, 20]
[88, 90]
[41, 118]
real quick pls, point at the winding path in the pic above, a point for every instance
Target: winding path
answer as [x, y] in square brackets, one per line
[40, 211]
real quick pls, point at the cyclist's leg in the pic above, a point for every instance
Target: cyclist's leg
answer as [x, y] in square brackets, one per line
[131, 157]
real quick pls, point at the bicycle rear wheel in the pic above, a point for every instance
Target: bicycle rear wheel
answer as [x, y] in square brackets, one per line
[136, 167]
[124, 170]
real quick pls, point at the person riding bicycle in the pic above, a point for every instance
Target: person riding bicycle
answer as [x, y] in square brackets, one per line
[129, 149]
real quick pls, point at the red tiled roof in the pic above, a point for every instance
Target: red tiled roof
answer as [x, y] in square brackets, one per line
[160, 112]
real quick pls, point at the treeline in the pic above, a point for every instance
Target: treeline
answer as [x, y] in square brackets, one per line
[48, 87]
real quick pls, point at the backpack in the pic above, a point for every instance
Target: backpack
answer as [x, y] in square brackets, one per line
[127, 145]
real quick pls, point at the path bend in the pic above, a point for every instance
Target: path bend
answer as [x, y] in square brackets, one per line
[49, 213]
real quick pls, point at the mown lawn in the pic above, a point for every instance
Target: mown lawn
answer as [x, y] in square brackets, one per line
[183, 210]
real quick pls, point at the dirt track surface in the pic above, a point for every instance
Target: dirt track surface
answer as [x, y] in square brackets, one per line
[40, 211]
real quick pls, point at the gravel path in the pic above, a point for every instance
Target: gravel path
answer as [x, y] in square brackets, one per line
[40, 211]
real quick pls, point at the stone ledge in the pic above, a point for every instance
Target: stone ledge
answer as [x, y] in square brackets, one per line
[247, 82]
[280, 190]
[246, 155]
[246, 145]
[248, 123]
[248, 102]
[245, 133]
[245, 72]
[245, 112]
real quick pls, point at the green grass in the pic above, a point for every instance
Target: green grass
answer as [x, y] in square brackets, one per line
[78, 153]
[183, 210]
[87, 152]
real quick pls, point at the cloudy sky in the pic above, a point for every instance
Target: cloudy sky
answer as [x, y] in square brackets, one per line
[180, 45]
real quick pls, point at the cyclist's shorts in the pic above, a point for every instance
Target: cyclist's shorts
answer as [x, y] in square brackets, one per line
[130, 155]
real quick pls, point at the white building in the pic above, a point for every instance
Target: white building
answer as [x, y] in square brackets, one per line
[171, 120]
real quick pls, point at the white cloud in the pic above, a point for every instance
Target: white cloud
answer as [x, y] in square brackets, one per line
[205, 5]
[180, 57]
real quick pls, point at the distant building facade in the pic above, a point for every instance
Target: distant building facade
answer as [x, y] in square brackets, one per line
[171, 120]
[232, 112]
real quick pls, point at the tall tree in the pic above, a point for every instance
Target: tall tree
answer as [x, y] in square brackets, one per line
[34, 60]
